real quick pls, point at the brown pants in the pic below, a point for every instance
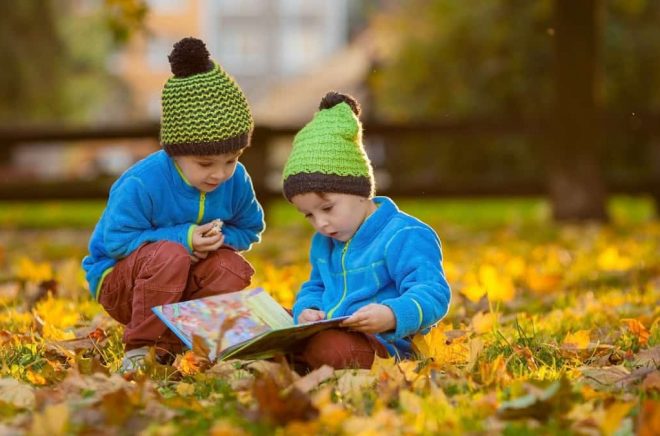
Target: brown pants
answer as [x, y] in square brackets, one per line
[340, 349]
[162, 273]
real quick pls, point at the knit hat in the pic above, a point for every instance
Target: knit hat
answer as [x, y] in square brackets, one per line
[328, 155]
[204, 110]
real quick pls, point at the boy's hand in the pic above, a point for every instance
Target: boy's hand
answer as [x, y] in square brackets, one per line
[196, 256]
[309, 315]
[205, 244]
[372, 318]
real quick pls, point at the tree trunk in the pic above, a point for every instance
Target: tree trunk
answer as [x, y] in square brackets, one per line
[576, 185]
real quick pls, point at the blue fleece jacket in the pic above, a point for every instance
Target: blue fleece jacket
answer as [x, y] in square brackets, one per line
[393, 259]
[152, 201]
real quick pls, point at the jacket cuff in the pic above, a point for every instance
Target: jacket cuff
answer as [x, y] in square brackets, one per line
[408, 314]
[189, 237]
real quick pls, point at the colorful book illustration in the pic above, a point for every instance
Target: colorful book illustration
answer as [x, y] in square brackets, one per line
[247, 324]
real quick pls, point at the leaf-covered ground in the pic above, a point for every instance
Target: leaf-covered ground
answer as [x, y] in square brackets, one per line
[552, 330]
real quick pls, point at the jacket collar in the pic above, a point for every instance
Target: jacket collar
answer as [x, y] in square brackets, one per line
[374, 223]
[176, 175]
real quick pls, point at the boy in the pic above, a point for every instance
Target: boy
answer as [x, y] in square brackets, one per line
[370, 261]
[158, 241]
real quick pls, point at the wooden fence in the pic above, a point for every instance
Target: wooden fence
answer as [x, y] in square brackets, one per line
[257, 164]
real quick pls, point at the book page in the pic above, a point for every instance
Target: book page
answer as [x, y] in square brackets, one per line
[278, 341]
[269, 310]
[208, 317]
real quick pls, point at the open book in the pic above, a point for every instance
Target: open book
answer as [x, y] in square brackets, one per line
[247, 324]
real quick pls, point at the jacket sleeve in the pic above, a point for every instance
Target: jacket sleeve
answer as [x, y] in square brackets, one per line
[128, 221]
[414, 259]
[310, 295]
[247, 223]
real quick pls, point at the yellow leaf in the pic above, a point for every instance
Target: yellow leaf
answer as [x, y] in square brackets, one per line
[515, 267]
[483, 322]
[542, 283]
[185, 389]
[189, 363]
[473, 292]
[615, 413]
[494, 371]
[57, 312]
[52, 421]
[579, 339]
[498, 286]
[35, 378]
[442, 349]
[30, 271]
[612, 260]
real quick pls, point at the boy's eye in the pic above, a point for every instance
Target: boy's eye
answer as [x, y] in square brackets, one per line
[326, 208]
[308, 215]
[205, 164]
[231, 162]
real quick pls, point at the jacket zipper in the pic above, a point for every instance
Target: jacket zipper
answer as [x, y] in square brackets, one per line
[200, 215]
[343, 271]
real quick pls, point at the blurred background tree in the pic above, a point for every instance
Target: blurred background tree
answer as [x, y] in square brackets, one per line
[491, 59]
[56, 54]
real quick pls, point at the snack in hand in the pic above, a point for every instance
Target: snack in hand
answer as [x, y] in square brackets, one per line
[216, 229]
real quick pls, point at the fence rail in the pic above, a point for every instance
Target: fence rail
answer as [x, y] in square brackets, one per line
[633, 124]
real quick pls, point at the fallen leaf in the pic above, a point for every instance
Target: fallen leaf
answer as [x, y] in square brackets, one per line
[483, 322]
[52, 421]
[16, 393]
[352, 382]
[613, 416]
[314, 378]
[607, 377]
[280, 406]
[638, 329]
[190, 363]
[538, 403]
[577, 340]
[650, 357]
[185, 389]
[498, 285]
[649, 418]
[652, 382]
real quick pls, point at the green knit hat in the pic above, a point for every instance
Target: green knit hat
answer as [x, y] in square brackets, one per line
[204, 110]
[328, 155]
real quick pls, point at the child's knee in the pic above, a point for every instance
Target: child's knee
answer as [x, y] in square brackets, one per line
[229, 267]
[167, 252]
[166, 262]
[338, 349]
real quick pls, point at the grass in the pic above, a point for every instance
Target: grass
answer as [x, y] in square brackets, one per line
[476, 212]
[536, 361]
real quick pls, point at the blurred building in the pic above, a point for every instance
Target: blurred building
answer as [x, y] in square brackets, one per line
[262, 43]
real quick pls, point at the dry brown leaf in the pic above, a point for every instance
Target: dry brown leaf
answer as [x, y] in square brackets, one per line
[650, 357]
[52, 421]
[16, 393]
[652, 382]
[314, 378]
[607, 377]
[649, 418]
[278, 405]
[352, 382]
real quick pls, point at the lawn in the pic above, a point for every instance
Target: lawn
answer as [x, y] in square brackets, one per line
[553, 329]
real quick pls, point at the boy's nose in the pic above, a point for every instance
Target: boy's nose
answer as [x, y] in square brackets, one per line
[219, 175]
[322, 224]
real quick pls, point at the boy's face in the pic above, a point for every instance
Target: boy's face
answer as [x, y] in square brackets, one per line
[206, 173]
[334, 215]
